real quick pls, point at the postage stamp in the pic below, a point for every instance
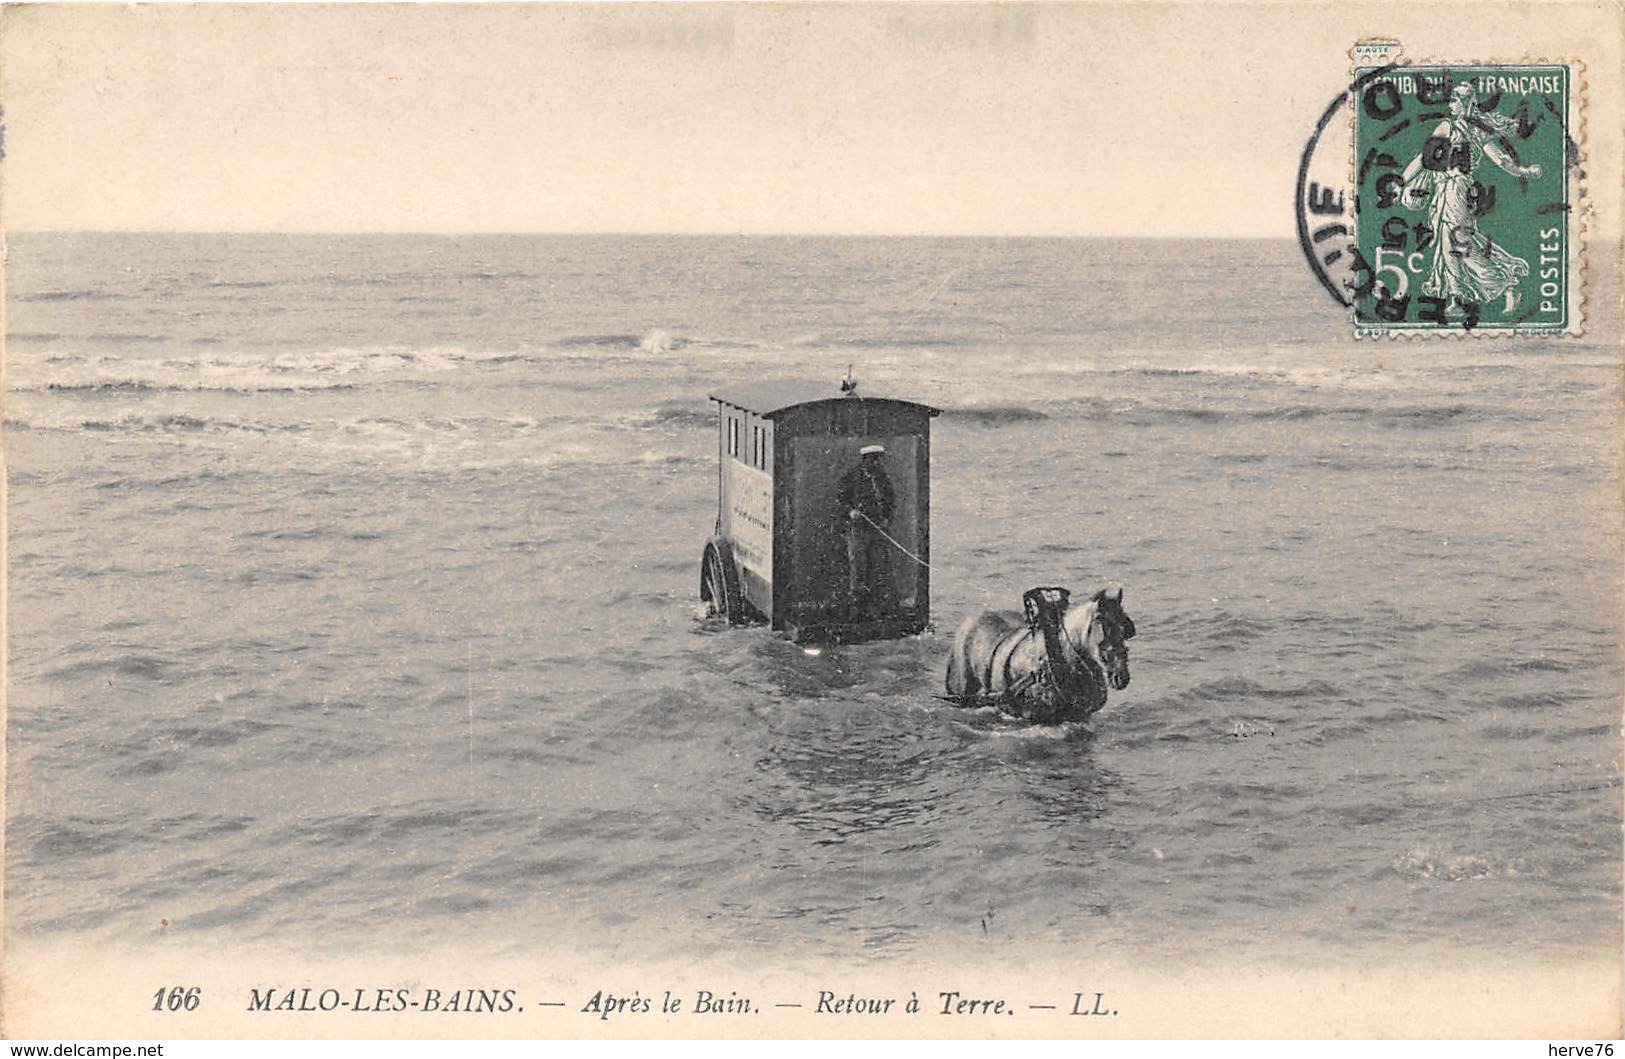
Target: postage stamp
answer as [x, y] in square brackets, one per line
[1465, 179]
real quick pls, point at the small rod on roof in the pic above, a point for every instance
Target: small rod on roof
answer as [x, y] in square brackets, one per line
[849, 385]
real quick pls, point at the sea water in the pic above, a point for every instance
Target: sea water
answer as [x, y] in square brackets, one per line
[353, 596]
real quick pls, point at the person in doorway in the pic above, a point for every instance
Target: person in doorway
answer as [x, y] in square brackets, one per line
[869, 500]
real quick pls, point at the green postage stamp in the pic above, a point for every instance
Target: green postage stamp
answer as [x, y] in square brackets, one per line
[1465, 194]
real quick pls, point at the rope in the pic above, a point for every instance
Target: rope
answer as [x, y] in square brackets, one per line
[893, 540]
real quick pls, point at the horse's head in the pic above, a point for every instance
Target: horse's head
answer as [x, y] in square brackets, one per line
[1100, 629]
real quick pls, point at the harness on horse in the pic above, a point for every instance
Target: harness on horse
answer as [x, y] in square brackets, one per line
[1053, 679]
[1045, 609]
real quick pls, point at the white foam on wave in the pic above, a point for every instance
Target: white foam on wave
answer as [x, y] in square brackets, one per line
[325, 369]
[659, 341]
[483, 443]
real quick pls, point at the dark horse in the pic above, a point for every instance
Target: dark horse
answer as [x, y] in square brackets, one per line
[1049, 666]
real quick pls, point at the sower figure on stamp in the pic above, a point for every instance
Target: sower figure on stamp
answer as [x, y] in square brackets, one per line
[869, 499]
[1467, 265]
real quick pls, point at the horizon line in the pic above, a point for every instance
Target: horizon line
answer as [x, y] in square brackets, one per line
[646, 234]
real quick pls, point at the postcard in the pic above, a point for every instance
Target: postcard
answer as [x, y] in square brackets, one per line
[1008, 520]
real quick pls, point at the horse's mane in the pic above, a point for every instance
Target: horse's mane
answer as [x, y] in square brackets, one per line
[1077, 620]
[1080, 617]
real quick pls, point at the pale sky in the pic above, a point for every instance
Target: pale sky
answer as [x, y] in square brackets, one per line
[1094, 119]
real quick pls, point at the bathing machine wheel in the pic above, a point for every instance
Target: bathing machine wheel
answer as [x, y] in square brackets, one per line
[719, 583]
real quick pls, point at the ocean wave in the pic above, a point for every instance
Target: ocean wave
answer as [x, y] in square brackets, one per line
[168, 422]
[996, 415]
[1441, 866]
[1439, 415]
[899, 341]
[171, 423]
[415, 820]
[658, 340]
[135, 665]
[660, 458]
[1507, 668]
[681, 415]
[288, 372]
[1137, 368]
[127, 338]
[391, 279]
[1412, 416]
[107, 387]
[1226, 374]
[140, 387]
[1231, 689]
[1516, 733]
[1532, 700]
[160, 747]
[483, 443]
[120, 482]
[1242, 372]
[655, 341]
[1230, 630]
[614, 340]
[314, 533]
[51, 841]
[1211, 414]
[72, 296]
[276, 576]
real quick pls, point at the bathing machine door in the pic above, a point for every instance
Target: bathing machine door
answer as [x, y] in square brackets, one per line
[819, 445]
